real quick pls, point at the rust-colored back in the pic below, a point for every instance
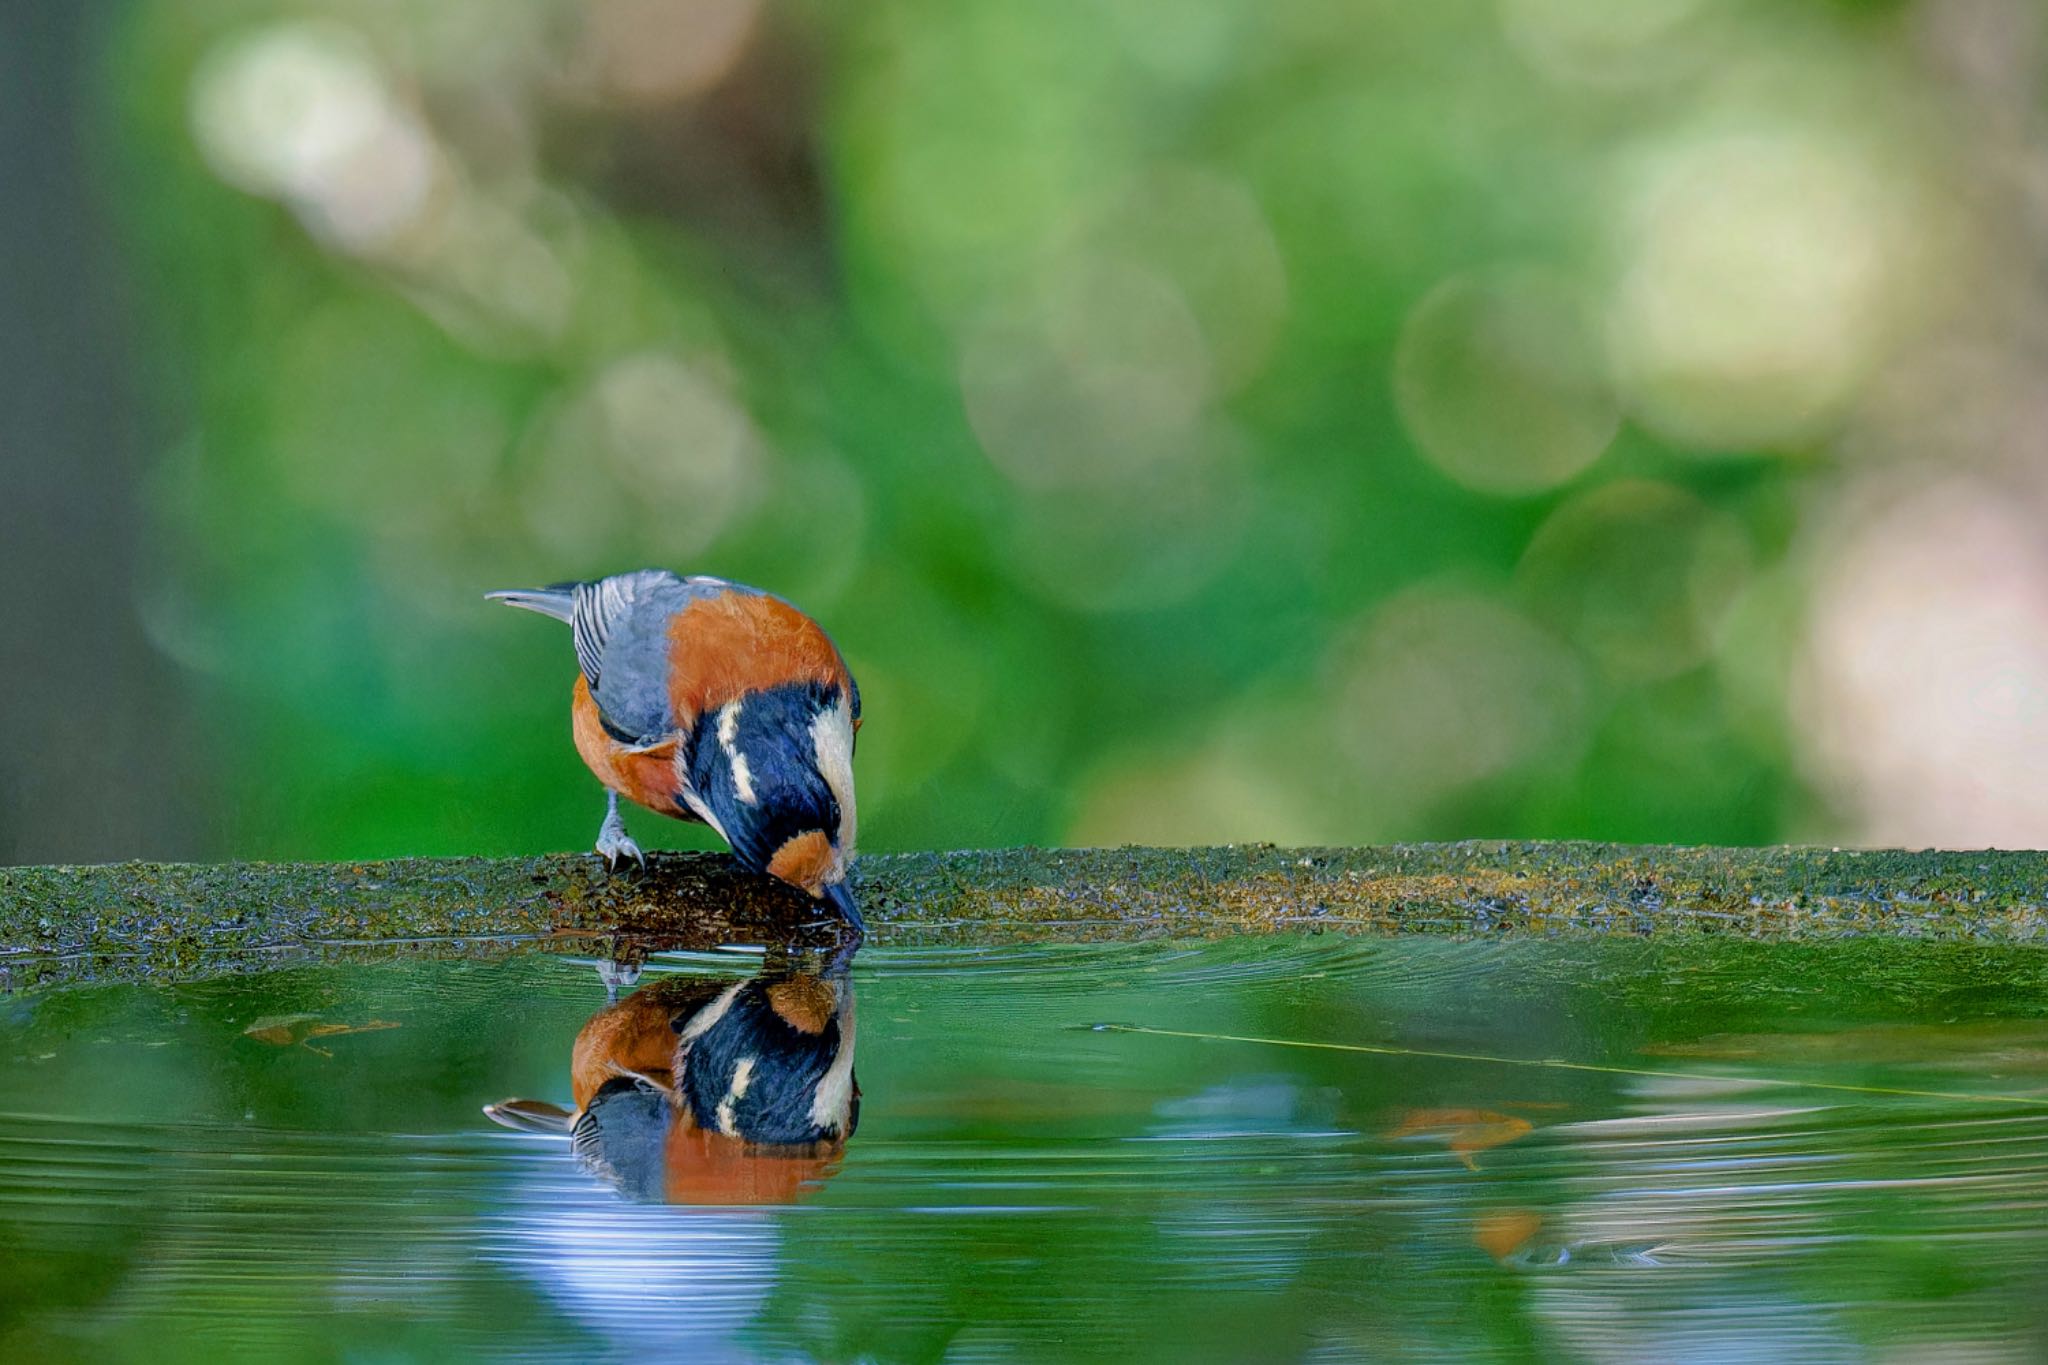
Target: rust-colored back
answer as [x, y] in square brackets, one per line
[636, 1035]
[724, 647]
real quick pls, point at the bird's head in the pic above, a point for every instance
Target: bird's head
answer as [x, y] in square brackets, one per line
[814, 862]
[774, 769]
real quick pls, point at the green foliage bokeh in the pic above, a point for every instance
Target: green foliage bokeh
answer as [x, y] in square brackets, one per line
[1195, 422]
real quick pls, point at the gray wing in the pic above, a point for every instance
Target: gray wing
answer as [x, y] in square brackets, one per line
[621, 626]
[621, 1138]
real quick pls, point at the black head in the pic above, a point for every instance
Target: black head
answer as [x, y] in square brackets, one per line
[775, 769]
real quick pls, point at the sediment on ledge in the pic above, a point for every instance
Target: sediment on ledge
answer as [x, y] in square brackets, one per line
[137, 920]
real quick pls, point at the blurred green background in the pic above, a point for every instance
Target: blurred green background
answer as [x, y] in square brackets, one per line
[1196, 420]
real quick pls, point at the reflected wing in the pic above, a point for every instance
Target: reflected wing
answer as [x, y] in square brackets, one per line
[620, 1138]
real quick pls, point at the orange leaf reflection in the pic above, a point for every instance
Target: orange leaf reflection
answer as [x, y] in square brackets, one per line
[1464, 1131]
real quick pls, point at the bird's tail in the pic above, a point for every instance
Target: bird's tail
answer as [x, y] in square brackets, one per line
[558, 600]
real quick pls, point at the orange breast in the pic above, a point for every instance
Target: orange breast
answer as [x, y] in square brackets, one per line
[647, 776]
[726, 646]
[710, 1168]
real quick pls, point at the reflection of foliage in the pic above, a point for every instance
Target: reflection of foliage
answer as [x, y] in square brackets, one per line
[1103, 374]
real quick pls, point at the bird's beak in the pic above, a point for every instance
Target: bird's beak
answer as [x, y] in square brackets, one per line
[838, 896]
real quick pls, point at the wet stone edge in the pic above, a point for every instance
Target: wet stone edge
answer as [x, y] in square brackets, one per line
[144, 920]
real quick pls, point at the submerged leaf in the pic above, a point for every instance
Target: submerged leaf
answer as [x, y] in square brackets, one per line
[280, 1029]
[333, 1030]
[1464, 1131]
[283, 1030]
[1502, 1233]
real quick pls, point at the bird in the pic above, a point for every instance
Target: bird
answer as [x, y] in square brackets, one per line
[696, 1091]
[708, 700]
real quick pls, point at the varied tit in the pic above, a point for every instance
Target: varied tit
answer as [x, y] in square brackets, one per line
[708, 700]
[701, 1092]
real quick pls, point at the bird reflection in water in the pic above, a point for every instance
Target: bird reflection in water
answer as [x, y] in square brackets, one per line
[706, 1091]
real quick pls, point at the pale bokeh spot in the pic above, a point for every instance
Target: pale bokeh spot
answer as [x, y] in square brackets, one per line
[1600, 42]
[652, 52]
[483, 272]
[1761, 273]
[654, 451]
[1501, 381]
[1447, 688]
[1221, 794]
[1206, 233]
[1640, 575]
[1921, 700]
[302, 111]
[1191, 41]
[1094, 373]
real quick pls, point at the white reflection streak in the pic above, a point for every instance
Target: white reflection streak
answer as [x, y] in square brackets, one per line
[1653, 1186]
[638, 1275]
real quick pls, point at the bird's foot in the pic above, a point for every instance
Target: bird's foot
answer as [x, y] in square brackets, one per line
[615, 845]
[617, 975]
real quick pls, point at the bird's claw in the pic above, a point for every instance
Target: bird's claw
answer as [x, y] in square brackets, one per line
[614, 845]
[616, 852]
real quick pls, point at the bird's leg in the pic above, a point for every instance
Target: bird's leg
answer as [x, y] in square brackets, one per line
[841, 961]
[620, 967]
[612, 840]
[615, 975]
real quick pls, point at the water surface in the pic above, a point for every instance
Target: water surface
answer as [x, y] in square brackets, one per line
[1679, 1150]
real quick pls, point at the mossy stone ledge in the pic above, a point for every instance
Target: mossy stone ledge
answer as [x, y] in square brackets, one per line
[135, 920]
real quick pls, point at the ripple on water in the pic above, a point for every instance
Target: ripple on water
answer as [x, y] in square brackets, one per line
[1023, 1187]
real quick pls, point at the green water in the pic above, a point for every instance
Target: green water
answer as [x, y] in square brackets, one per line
[1027, 1186]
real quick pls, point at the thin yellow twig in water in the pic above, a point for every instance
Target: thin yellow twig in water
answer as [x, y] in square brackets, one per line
[1558, 1064]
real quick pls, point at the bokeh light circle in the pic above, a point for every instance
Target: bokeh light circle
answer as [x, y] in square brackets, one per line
[1598, 42]
[1096, 374]
[1207, 234]
[1499, 379]
[653, 52]
[302, 111]
[1639, 574]
[1921, 698]
[1447, 687]
[1760, 271]
[654, 450]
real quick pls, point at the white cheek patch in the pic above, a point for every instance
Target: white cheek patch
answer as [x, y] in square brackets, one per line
[697, 806]
[700, 1023]
[728, 740]
[742, 1077]
[832, 741]
[834, 1097]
